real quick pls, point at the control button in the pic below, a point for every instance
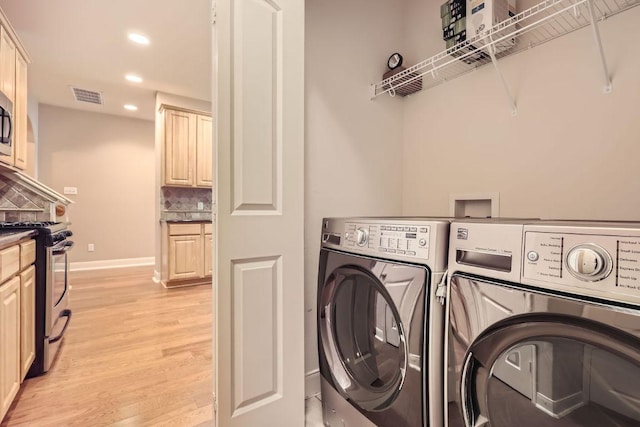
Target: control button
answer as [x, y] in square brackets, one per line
[410, 253]
[414, 229]
[384, 227]
[362, 236]
[407, 228]
[325, 237]
[394, 228]
[532, 256]
[391, 251]
[400, 252]
[589, 262]
[423, 229]
[382, 249]
[422, 242]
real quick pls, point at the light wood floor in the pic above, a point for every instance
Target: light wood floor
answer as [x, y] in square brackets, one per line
[135, 354]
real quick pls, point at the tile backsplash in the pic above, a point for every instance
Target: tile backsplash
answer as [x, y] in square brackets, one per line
[182, 203]
[19, 203]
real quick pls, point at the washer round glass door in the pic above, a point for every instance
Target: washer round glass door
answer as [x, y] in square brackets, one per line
[552, 373]
[363, 338]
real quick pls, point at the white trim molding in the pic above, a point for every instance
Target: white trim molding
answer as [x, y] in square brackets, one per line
[111, 263]
[312, 383]
[156, 277]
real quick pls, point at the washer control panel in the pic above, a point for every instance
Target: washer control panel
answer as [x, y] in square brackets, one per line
[410, 240]
[607, 265]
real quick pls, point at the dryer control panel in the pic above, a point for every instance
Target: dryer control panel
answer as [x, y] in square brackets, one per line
[393, 238]
[605, 266]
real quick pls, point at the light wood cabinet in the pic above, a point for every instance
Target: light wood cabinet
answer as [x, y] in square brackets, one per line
[187, 149]
[204, 152]
[17, 318]
[185, 259]
[7, 64]
[9, 343]
[13, 84]
[187, 254]
[20, 115]
[27, 320]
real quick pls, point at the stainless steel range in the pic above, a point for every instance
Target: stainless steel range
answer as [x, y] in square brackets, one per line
[52, 288]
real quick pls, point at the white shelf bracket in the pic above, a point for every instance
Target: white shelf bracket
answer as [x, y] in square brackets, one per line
[608, 87]
[492, 53]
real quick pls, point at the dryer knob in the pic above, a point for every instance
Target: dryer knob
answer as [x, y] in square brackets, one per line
[362, 236]
[589, 262]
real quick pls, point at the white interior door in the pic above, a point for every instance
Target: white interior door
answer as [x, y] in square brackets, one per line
[259, 139]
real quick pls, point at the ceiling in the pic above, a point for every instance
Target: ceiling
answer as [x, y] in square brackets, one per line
[84, 43]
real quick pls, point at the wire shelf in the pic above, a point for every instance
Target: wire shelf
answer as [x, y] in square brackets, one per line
[539, 24]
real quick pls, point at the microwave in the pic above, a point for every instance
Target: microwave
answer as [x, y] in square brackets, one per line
[6, 124]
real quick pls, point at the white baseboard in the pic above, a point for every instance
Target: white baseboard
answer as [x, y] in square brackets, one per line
[312, 383]
[111, 263]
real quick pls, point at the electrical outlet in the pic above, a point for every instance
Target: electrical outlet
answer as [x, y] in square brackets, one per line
[90, 247]
[200, 206]
[70, 190]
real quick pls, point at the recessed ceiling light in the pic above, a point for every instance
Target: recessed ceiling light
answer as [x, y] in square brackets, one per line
[139, 38]
[133, 78]
[130, 107]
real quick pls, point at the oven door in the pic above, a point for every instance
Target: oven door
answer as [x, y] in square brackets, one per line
[536, 359]
[58, 290]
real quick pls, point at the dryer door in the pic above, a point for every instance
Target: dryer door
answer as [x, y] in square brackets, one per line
[365, 310]
[555, 362]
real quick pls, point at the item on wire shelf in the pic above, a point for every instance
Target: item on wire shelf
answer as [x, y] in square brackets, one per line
[404, 85]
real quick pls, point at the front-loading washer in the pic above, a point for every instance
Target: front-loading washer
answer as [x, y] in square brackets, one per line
[543, 324]
[380, 325]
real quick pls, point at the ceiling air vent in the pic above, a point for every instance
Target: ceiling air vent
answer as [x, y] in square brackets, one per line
[90, 96]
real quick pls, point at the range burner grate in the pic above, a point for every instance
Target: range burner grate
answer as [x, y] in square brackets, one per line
[27, 224]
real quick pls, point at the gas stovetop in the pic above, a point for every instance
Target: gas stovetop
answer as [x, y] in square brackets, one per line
[28, 224]
[58, 230]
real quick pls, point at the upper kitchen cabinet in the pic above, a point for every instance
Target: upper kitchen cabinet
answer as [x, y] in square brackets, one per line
[7, 64]
[20, 114]
[187, 149]
[13, 84]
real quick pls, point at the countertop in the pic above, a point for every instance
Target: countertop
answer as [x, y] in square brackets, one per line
[11, 237]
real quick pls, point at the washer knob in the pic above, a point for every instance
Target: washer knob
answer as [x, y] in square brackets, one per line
[589, 262]
[362, 236]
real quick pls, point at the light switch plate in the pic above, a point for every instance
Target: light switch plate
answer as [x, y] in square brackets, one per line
[200, 206]
[70, 190]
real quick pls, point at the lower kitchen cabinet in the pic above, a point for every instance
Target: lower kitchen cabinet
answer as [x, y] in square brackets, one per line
[17, 318]
[187, 252]
[9, 343]
[27, 319]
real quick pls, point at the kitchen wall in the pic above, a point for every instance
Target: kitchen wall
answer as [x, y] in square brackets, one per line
[110, 159]
[571, 152]
[353, 146]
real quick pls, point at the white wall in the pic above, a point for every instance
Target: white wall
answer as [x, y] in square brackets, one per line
[110, 159]
[571, 152]
[353, 150]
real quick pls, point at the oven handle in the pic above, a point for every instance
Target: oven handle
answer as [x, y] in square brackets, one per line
[64, 313]
[63, 247]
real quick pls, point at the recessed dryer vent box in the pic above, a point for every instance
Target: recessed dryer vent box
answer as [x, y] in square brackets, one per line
[479, 205]
[484, 14]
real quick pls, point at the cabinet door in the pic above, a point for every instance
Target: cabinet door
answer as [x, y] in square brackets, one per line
[9, 343]
[20, 116]
[27, 320]
[179, 148]
[208, 251]
[7, 64]
[204, 153]
[185, 257]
